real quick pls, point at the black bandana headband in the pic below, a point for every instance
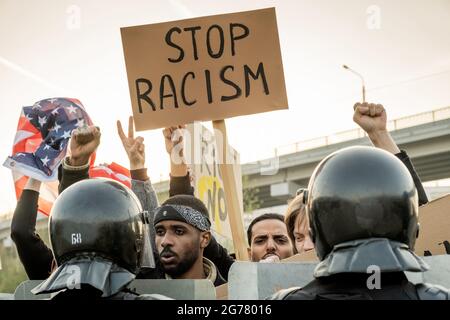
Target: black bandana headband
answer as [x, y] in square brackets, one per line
[183, 214]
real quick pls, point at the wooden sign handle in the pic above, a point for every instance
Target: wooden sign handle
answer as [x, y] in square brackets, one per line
[231, 194]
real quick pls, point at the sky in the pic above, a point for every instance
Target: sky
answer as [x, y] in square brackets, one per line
[59, 48]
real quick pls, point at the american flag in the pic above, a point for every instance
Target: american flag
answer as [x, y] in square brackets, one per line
[42, 136]
[113, 171]
[41, 143]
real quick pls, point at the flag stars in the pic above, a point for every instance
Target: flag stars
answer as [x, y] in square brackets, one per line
[72, 109]
[55, 112]
[45, 160]
[42, 121]
[56, 127]
[80, 123]
[46, 147]
[66, 135]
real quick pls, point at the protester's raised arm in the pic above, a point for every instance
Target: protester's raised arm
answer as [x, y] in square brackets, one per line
[83, 143]
[140, 183]
[35, 256]
[372, 119]
[75, 166]
[173, 139]
[180, 180]
[134, 147]
[403, 156]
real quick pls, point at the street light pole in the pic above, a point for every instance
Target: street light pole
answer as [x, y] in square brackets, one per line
[362, 80]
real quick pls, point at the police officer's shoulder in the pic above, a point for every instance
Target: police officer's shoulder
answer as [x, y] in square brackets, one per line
[154, 296]
[427, 291]
[283, 293]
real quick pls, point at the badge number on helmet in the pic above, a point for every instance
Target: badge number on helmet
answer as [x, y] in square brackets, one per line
[76, 238]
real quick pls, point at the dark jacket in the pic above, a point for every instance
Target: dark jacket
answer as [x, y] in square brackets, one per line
[403, 156]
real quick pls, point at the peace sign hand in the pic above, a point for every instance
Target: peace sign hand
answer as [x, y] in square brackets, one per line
[134, 147]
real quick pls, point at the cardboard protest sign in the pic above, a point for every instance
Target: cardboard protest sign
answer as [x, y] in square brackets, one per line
[434, 219]
[201, 69]
[303, 257]
[208, 183]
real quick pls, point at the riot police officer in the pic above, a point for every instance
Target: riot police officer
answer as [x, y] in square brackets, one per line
[363, 210]
[99, 238]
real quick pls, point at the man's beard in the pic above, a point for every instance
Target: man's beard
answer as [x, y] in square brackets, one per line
[182, 266]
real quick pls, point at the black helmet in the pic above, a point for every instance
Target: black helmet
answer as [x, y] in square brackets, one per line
[358, 193]
[99, 217]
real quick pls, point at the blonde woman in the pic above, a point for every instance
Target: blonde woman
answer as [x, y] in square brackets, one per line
[297, 223]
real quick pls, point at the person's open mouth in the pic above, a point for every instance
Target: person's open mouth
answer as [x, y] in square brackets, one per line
[167, 258]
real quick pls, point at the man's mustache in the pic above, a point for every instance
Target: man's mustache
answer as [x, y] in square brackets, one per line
[166, 252]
